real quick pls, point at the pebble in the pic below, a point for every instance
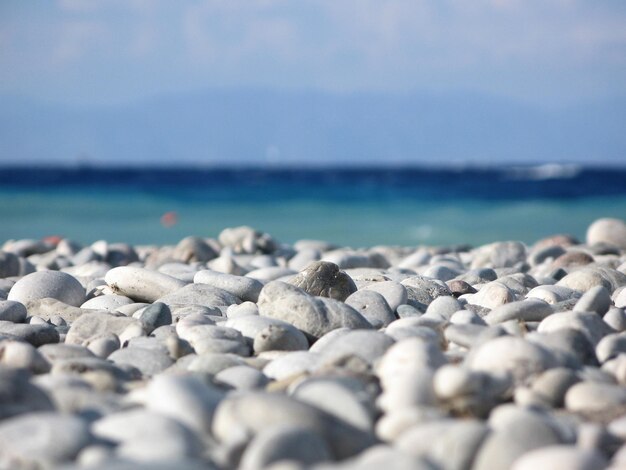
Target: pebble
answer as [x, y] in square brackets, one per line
[314, 316]
[243, 287]
[12, 311]
[372, 306]
[42, 440]
[140, 284]
[205, 354]
[325, 279]
[48, 284]
[609, 231]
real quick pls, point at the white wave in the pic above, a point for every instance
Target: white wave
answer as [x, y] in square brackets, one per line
[548, 171]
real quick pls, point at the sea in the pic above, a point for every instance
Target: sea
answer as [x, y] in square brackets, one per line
[357, 207]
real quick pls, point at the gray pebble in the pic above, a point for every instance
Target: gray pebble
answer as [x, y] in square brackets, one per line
[140, 284]
[48, 284]
[372, 306]
[597, 299]
[394, 293]
[243, 287]
[326, 280]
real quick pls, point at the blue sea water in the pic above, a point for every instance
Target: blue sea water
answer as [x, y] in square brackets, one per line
[348, 206]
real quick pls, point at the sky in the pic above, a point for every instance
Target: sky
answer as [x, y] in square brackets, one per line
[544, 53]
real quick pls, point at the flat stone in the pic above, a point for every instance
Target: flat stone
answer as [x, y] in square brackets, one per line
[137, 431]
[94, 324]
[200, 294]
[140, 284]
[148, 361]
[522, 310]
[42, 439]
[326, 280]
[33, 334]
[49, 308]
[368, 345]
[372, 306]
[314, 316]
[240, 416]
[591, 397]
[285, 443]
[110, 302]
[12, 311]
[394, 293]
[590, 324]
[216, 339]
[48, 284]
[244, 288]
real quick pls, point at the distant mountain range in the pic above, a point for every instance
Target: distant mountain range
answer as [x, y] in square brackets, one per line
[267, 127]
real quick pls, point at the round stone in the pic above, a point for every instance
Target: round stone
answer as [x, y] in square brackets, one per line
[48, 284]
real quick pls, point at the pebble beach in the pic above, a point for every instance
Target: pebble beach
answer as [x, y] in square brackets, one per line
[240, 351]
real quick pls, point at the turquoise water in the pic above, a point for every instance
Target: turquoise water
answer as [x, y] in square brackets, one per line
[121, 214]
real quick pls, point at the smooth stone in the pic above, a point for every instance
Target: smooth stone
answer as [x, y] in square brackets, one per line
[570, 346]
[444, 306]
[12, 311]
[239, 417]
[545, 254]
[188, 399]
[407, 311]
[36, 335]
[193, 249]
[13, 265]
[325, 279]
[285, 443]
[216, 339]
[17, 354]
[610, 346]
[392, 425]
[41, 440]
[290, 364]
[616, 319]
[424, 290]
[594, 397]
[458, 287]
[552, 385]
[149, 361]
[103, 345]
[156, 315]
[491, 295]
[345, 404]
[590, 324]
[552, 294]
[522, 310]
[560, 458]
[245, 288]
[442, 272]
[512, 355]
[186, 323]
[409, 354]
[453, 381]
[48, 284]
[394, 293]
[213, 363]
[377, 457]
[137, 432]
[110, 302]
[610, 231]
[200, 294]
[140, 284]
[471, 335]
[95, 324]
[271, 273]
[242, 378]
[584, 279]
[242, 310]
[368, 345]
[597, 299]
[268, 334]
[467, 317]
[412, 388]
[521, 432]
[245, 239]
[19, 394]
[372, 306]
[314, 316]
[60, 351]
[499, 255]
[49, 308]
[449, 444]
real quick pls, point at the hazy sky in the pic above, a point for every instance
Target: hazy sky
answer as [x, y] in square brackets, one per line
[102, 51]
